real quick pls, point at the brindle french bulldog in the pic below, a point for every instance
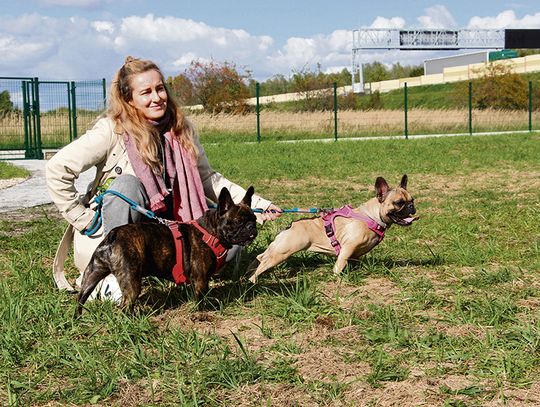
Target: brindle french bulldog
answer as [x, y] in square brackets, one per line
[136, 250]
[353, 235]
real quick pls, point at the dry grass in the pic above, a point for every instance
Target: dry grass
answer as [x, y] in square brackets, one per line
[367, 122]
[55, 127]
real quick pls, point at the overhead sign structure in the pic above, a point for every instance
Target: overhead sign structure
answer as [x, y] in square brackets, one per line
[435, 39]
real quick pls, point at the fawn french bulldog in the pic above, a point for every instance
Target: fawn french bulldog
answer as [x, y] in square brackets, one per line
[346, 233]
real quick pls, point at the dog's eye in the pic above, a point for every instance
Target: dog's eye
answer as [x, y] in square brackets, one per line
[399, 202]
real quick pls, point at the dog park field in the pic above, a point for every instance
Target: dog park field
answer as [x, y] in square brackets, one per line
[444, 312]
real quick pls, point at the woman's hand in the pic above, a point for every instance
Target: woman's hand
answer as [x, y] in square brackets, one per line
[271, 213]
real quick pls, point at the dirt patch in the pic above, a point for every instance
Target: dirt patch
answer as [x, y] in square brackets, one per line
[140, 392]
[272, 394]
[37, 212]
[249, 330]
[415, 391]
[327, 365]
[379, 291]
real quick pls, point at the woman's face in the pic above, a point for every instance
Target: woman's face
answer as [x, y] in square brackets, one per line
[149, 95]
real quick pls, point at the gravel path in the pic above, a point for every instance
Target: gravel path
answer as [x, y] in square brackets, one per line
[19, 193]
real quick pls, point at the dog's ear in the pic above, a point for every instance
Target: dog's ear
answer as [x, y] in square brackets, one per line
[225, 201]
[403, 183]
[248, 196]
[381, 188]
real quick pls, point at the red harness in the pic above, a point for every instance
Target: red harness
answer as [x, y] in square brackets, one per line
[348, 212]
[211, 241]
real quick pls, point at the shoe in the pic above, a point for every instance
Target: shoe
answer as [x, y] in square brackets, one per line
[107, 290]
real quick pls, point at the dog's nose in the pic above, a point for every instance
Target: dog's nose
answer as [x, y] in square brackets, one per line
[411, 208]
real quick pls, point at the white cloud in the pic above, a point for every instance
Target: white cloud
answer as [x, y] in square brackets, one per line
[382, 22]
[437, 16]
[185, 60]
[306, 53]
[77, 48]
[506, 19]
[106, 27]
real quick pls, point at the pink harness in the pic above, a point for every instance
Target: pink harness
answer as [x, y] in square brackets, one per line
[348, 212]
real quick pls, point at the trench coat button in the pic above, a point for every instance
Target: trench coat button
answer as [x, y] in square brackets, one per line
[118, 170]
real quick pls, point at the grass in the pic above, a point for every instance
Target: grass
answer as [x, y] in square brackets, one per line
[445, 312]
[8, 171]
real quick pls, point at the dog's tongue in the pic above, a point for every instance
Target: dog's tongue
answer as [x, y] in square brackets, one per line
[410, 220]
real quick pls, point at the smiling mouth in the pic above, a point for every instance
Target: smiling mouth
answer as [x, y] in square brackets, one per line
[403, 221]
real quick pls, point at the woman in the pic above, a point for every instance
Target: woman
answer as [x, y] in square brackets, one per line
[147, 150]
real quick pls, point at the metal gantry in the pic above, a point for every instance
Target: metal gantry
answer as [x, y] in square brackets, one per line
[419, 39]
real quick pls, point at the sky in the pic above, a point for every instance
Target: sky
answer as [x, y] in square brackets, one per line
[89, 39]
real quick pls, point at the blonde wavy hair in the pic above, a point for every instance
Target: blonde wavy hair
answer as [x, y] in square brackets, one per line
[129, 119]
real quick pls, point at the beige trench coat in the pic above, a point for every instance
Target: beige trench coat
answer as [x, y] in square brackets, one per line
[102, 147]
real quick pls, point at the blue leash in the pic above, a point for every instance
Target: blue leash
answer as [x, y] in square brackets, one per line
[97, 221]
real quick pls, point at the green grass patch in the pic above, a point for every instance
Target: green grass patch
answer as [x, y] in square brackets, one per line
[8, 170]
[444, 312]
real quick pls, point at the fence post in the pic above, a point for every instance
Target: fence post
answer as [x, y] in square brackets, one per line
[26, 109]
[104, 84]
[406, 108]
[470, 108]
[69, 112]
[37, 114]
[258, 110]
[530, 105]
[335, 111]
[73, 110]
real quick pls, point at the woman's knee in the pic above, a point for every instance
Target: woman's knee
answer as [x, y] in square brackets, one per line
[126, 183]
[130, 186]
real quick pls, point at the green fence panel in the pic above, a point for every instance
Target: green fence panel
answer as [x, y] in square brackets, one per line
[36, 116]
[16, 123]
[90, 99]
[55, 108]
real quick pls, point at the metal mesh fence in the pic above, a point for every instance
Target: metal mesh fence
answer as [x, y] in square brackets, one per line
[55, 109]
[446, 112]
[40, 115]
[12, 119]
[305, 115]
[91, 98]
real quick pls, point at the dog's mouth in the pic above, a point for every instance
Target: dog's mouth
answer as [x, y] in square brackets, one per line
[245, 240]
[407, 221]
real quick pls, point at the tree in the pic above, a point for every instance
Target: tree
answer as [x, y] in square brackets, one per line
[182, 89]
[219, 87]
[315, 89]
[6, 105]
[500, 88]
[375, 72]
[276, 85]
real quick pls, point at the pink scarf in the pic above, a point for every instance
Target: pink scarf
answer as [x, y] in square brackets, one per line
[188, 192]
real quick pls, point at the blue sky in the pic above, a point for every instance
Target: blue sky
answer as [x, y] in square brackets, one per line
[88, 39]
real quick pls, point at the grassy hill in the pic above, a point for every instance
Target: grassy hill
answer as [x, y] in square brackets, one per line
[442, 96]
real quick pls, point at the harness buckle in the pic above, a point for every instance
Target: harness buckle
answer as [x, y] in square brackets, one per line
[329, 230]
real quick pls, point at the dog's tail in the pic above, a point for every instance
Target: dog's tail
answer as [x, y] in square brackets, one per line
[93, 274]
